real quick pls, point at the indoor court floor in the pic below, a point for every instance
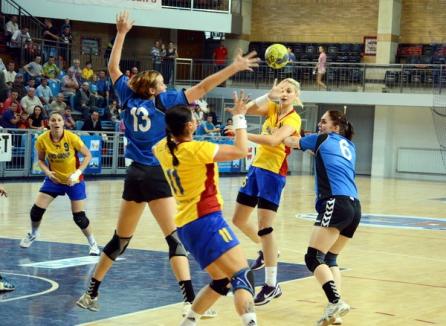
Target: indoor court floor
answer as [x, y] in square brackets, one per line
[394, 268]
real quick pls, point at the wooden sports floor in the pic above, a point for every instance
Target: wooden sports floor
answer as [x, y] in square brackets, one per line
[395, 272]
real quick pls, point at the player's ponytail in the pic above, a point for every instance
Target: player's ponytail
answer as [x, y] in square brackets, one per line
[340, 119]
[176, 119]
[172, 147]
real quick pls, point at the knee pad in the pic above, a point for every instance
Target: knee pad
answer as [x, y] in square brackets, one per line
[314, 258]
[81, 220]
[243, 279]
[265, 231]
[330, 259]
[220, 286]
[247, 200]
[116, 246]
[265, 204]
[176, 248]
[36, 213]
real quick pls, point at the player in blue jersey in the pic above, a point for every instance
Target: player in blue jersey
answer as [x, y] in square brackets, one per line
[144, 100]
[337, 204]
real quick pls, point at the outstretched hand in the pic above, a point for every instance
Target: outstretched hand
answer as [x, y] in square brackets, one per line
[275, 91]
[239, 104]
[246, 62]
[123, 24]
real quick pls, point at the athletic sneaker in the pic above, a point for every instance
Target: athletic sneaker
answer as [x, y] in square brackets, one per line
[338, 321]
[28, 240]
[87, 302]
[259, 263]
[266, 294]
[210, 313]
[94, 250]
[5, 285]
[333, 311]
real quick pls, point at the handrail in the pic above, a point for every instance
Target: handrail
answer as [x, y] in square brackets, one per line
[21, 9]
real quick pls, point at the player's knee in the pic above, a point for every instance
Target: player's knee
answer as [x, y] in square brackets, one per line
[36, 213]
[81, 220]
[330, 259]
[314, 258]
[244, 279]
[116, 246]
[247, 200]
[220, 286]
[176, 248]
[265, 231]
[266, 204]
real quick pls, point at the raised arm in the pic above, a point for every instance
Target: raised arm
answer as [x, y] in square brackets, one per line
[292, 141]
[275, 138]
[123, 26]
[240, 63]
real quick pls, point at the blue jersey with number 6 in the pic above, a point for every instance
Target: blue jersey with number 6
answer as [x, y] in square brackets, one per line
[144, 120]
[335, 158]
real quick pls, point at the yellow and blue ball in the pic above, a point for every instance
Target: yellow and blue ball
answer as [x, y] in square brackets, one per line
[276, 56]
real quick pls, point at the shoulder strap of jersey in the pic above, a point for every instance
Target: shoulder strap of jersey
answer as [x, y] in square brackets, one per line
[159, 105]
[320, 139]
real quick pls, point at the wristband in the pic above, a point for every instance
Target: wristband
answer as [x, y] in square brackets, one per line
[239, 121]
[262, 100]
[75, 176]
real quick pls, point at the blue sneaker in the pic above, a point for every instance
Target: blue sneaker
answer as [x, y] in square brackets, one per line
[5, 285]
[259, 263]
[266, 294]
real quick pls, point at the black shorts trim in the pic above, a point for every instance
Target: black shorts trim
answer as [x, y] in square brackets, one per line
[340, 212]
[144, 183]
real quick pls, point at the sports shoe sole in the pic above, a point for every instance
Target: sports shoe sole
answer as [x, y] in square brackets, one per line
[264, 302]
[80, 304]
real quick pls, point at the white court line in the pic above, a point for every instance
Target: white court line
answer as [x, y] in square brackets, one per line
[54, 287]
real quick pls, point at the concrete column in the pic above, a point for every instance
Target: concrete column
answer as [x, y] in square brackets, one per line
[382, 155]
[389, 19]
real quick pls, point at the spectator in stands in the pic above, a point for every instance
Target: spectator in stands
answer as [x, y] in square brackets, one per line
[92, 123]
[29, 101]
[87, 100]
[209, 128]
[58, 103]
[127, 73]
[169, 62]
[51, 37]
[220, 55]
[23, 122]
[66, 24]
[211, 112]
[133, 71]
[36, 119]
[289, 68]
[31, 84]
[77, 69]
[18, 41]
[19, 86]
[87, 72]
[228, 130]
[99, 99]
[156, 56]
[34, 69]
[66, 39]
[68, 118]
[103, 84]
[10, 73]
[14, 97]
[321, 68]
[10, 117]
[4, 89]
[198, 113]
[2, 65]
[11, 27]
[114, 111]
[70, 85]
[44, 93]
[50, 69]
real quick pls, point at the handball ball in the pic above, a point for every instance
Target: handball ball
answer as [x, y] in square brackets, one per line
[276, 56]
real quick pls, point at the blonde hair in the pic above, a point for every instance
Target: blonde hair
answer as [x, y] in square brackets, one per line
[295, 84]
[143, 81]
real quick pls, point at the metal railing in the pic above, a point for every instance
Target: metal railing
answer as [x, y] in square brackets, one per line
[202, 5]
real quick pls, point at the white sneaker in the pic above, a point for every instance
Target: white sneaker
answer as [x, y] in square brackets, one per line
[28, 240]
[210, 313]
[87, 302]
[333, 311]
[94, 250]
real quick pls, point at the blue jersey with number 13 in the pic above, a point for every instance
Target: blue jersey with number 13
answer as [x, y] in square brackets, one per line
[144, 120]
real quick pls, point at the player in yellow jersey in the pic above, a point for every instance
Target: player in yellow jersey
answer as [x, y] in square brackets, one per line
[57, 151]
[190, 168]
[266, 177]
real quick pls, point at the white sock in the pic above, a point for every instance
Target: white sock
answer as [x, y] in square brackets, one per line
[191, 319]
[271, 275]
[249, 319]
[91, 239]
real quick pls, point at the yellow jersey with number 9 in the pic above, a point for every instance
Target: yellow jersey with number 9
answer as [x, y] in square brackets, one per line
[194, 182]
[62, 155]
[274, 158]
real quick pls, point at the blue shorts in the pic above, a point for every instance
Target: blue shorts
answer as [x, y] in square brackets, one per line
[263, 184]
[207, 238]
[76, 192]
